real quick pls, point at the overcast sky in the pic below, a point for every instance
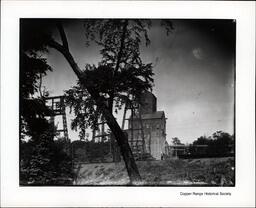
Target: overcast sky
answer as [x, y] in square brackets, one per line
[194, 74]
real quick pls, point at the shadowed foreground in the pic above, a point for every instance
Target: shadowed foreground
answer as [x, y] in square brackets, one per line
[189, 172]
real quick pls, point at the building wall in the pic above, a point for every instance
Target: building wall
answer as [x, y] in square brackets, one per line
[154, 135]
[154, 126]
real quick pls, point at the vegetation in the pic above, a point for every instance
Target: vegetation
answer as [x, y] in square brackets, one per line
[91, 152]
[218, 145]
[189, 172]
[120, 41]
[119, 76]
[176, 141]
[101, 90]
[42, 161]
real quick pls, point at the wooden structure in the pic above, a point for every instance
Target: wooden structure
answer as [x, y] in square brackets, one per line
[135, 126]
[146, 127]
[103, 136]
[58, 108]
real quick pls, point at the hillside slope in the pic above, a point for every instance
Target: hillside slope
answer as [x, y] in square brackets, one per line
[207, 171]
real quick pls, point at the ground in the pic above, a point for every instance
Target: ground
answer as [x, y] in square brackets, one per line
[176, 172]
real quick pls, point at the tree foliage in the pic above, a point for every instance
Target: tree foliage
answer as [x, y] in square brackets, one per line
[42, 161]
[32, 67]
[119, 76]
[220, 143]
[176, 141]
[126, 57]
[115, 35]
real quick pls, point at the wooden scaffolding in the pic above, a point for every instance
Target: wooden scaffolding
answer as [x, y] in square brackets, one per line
[102, 136]
[137, 143]
[57, 106]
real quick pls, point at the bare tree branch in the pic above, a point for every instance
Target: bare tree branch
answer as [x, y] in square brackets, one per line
[52, 43]
[119, 56]
[121, 46]
[40, 85]
[63, 35]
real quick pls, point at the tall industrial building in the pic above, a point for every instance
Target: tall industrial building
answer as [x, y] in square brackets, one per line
[147, 128]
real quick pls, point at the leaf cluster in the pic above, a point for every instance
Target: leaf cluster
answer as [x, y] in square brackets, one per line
[43, 162]
[113, 35]
[30, 69]
[127, 82]
[84, 108]
[219, 143]
[34, 35]
[120, 75]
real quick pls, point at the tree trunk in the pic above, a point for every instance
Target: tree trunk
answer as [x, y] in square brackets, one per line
[120, 137]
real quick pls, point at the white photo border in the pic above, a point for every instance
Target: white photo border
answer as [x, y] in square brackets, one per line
[242, 195]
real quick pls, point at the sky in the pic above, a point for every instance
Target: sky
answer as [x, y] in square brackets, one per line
[194, 70]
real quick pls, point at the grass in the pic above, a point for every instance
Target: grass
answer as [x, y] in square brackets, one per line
[184, 172]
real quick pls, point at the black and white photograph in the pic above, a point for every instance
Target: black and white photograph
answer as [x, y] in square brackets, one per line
[146, 102]
[127, 104]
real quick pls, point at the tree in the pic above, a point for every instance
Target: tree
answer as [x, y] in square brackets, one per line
[110, 77]
[119, 61]
[41, 159]
[219, 144]
[176, 141]
[43, 162]
[222, 142]
[203, 140]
